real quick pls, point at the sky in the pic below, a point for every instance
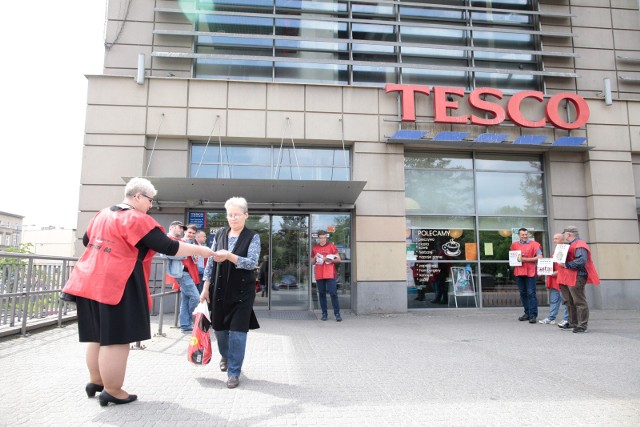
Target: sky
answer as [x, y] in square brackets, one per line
[47, 49]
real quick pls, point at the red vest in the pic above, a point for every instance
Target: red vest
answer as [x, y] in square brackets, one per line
[529, 250]
[552, 281]
[102, 271]
[325, 271]
[192, 268]
[568, 276]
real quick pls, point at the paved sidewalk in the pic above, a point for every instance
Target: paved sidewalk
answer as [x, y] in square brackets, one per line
[436, 368]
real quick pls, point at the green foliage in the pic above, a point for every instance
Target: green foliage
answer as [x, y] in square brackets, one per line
[23, 248]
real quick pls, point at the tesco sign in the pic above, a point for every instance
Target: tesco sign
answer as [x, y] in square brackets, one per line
[480, 100]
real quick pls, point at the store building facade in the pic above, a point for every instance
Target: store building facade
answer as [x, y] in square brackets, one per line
[420, 135]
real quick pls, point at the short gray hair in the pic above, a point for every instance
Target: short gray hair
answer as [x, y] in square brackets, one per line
[571, 229]
[139, 185]
[237, 202]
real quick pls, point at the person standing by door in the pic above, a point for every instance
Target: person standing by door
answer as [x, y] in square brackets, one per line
[263, 276]
[325, 256]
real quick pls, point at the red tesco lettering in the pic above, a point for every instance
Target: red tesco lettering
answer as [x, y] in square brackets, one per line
[444, 101]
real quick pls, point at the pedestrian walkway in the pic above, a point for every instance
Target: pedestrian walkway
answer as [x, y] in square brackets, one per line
[431, 368]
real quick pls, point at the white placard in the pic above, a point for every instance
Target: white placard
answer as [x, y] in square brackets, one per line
[545, 266]
[560, 253]
[515, 258]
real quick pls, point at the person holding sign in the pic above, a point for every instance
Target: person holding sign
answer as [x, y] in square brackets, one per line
[325, 257]
[573, 277]
[555, 298]
[525, 275]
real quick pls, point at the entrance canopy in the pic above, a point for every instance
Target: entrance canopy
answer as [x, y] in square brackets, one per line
[268, 194]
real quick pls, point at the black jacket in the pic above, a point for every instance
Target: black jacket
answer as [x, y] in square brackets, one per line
[233, 290]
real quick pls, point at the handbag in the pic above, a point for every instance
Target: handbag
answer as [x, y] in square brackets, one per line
[67, 297]
[199, 350]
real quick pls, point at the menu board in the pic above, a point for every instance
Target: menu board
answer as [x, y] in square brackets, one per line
[426, 247]
[435, 244]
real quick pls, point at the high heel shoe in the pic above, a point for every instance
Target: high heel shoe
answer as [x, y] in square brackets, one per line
[92, 389]
[105, 398]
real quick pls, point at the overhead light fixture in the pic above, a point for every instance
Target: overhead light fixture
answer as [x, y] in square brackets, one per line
[455, 233]
[140, 72]
[411, 204]
[608, 99]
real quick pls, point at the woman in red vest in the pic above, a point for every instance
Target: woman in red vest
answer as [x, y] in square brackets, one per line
[110, 285]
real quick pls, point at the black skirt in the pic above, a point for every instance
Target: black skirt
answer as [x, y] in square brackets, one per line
[124, 323]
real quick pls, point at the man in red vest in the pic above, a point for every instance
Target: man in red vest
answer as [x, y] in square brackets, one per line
[325, 256]
[525, 275]
[573, 276]
[187, 283]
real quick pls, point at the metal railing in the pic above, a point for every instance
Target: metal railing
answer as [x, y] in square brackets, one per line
[30, 288]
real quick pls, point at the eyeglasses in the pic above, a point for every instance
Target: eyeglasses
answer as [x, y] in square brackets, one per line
[144, 195]
[235, 216]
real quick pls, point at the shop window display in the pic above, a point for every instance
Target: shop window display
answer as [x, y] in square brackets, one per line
[449, 197]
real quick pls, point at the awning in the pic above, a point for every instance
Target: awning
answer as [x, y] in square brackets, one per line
[264, 194]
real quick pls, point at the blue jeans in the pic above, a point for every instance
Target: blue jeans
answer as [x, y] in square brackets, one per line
[189, 302]
[324, 286]
[232, 345]
[201, 284]
[555, 301]
[527, 287]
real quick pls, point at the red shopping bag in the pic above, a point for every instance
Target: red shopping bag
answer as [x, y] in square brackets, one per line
[199, 351]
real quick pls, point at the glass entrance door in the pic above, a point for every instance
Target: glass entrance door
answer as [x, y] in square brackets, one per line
[284, 265]
[285, 281]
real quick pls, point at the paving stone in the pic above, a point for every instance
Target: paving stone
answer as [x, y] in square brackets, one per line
[438, 368]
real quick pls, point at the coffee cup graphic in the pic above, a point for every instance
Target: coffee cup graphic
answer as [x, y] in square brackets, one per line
[451, 248]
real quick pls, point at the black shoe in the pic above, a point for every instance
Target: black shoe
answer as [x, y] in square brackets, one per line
[233, 382]
[223, 365]
[92, 389]
[566, 326]
[579, 329]
[105, 398]
[523, 318]
[338, 318]
[533, 320]
[324, 317]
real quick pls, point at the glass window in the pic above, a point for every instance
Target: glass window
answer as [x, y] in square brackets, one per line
[440, 192]
[269, 162]
[400, 33]
[508, 162]
[506, 193]
[311, 72]
[439, 184]
[240, 70]
[497, 234]
[436, 247]
[446, 195]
